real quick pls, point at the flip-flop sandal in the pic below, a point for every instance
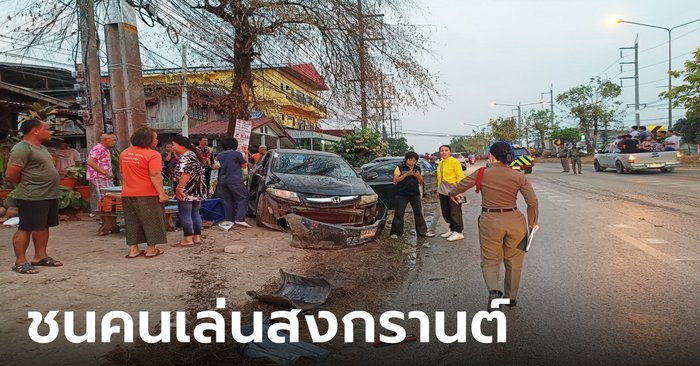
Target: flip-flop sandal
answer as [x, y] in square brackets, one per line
[197, 242]
[158, 252]
[48, 262]
[142, 252]
[181, 245]
[25, 268]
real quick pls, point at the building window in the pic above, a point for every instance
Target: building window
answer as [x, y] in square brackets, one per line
[309, 100]
[292, 121]
[280, 117]
[197, 112]
[302, 125]
[300, 98]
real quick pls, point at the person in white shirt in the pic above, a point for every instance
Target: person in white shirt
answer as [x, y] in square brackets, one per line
[672, 142]
[635, 131]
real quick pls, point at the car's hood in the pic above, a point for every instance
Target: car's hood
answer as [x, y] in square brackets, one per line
[314, 184]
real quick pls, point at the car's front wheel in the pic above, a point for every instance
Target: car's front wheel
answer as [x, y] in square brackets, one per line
[528, 171]
[261, 210]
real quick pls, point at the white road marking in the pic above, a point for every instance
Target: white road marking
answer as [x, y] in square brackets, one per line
[621, 226]
[655, 241]
[554, 196]
[563, 200]
[688, 259]
[659, 255]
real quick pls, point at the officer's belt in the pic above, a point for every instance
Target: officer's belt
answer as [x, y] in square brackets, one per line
[500, 210]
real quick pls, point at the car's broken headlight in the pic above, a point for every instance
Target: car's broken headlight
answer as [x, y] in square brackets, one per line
[285, 195]
[368, 199]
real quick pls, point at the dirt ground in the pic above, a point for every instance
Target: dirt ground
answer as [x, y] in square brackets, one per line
[97, 277]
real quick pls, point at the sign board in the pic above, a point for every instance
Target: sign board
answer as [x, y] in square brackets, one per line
[556, 142]
[655, 128]
[242, 132]
[583, 137]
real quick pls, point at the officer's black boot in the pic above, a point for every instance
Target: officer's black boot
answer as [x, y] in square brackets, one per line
[494, 294]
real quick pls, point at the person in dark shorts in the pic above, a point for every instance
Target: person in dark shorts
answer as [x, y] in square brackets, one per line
[31, 168]
[143, 195]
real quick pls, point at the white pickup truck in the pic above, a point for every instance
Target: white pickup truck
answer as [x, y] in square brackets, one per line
[625, 163]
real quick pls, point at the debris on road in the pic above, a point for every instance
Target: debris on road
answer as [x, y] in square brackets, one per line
[285, 354]
[297, 292]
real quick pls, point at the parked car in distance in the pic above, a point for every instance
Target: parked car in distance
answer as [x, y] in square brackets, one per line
[316, 185]
[381, 178]
[665, 161]
[379, 160]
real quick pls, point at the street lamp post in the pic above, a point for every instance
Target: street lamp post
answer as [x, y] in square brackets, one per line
[669, 30]
[519, 108]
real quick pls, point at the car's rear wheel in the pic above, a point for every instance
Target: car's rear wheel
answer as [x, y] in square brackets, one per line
[667, 170]
[596, 166]
[619, 168]
[528, 171]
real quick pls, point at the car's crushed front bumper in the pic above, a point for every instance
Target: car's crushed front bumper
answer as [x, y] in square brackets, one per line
[312, 234]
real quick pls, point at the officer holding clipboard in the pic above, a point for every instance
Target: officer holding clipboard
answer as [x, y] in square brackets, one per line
[502, 228]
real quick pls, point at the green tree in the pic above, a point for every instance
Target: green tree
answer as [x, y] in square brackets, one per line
[360, 147]
[398, 146]
[594, 105]
[688, 93]
[540, 122]
[689, 129]
[505, 129]
[569, 134]
[476, 143]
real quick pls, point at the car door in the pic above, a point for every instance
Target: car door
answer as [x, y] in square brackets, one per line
[383, 185]
[256, 179]
[605, 159]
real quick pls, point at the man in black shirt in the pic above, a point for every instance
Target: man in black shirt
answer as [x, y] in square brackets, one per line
[629, 145]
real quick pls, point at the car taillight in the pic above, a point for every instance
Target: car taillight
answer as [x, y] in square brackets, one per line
[630, 158]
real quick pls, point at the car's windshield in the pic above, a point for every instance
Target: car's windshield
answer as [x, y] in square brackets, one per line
[310, 164]
[519, 152]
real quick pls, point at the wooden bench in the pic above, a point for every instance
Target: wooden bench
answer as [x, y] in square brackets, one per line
[109, 220]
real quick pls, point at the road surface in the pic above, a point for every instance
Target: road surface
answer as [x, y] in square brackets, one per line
[612, 278]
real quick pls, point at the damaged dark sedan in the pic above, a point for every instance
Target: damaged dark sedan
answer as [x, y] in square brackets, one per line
[317, 196]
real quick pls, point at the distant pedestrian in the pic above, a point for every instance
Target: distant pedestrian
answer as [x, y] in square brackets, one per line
[231, 181]
[170, 160]
[563, 158]
[575, 156]
[31, 169]
[262, 149]
[143, 195]
[99, 168]
[408, 180]
[207, 154]
[66, 157]
[449, 173]
[190, 190]
[502, 227]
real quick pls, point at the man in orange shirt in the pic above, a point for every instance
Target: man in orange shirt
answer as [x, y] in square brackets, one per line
[261, 151]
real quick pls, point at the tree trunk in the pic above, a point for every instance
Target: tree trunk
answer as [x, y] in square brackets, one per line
[595, 136]
[238, 99]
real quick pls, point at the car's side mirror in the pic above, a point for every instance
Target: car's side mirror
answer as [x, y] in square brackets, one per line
[368, 177]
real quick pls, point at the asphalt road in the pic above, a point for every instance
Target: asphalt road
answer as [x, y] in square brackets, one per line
[612, 278]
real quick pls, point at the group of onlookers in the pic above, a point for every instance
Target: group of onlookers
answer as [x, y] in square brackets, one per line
[35, 173]
[641, 140]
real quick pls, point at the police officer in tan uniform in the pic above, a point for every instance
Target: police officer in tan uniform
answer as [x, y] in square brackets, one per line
[502, 227]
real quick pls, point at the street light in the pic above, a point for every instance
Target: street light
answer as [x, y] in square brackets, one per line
[519, 107]
[669, 30]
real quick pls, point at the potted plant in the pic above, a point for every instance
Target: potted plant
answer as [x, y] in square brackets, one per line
[70, 200]
[70, 178]
[81, 183]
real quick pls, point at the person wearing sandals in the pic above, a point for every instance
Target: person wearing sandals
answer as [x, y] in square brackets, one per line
[190, 190]
[143, 195]
[408, 179]
[31, 168]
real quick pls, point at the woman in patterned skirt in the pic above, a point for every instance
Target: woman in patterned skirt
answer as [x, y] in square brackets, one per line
[190, 190]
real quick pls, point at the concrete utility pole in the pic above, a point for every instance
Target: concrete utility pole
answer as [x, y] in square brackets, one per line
[183, 99]
[635, 77]
[551, 104]
[94, 124]
[125, 75]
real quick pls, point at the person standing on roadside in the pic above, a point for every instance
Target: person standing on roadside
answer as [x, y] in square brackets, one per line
[231, 181]
[99, 168]
[449, 173]
[563, 158]
[408, 180]
[262, 149]
[170, 160]
[66, 157]
[207, 154]
[502, 228]
[143, 195]
[190, 190]
[575, 155]
[31, 169]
